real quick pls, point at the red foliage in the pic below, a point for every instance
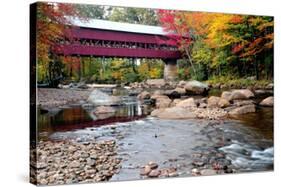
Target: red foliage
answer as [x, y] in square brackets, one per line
[177, 32]
[72, 62]
[52, 22]
[237, 48]
[236, 19]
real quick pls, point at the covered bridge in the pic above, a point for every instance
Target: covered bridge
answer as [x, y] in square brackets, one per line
[100, 38]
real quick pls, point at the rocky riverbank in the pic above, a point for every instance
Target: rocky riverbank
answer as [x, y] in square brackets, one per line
[172, 100]
[180, 104]
[49, 98]
[79, 94]
[157, 147]
[67, 162]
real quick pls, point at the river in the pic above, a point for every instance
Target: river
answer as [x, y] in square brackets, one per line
[246, 142]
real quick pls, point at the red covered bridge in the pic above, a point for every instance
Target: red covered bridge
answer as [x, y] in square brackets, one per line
[100, 38]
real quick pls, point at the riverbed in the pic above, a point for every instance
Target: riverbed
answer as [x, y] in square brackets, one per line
[191, 147]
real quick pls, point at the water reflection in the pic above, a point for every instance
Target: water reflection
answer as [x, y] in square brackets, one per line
[78, 118]
[260, 122]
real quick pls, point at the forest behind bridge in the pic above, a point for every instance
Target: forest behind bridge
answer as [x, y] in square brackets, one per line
[220, 47]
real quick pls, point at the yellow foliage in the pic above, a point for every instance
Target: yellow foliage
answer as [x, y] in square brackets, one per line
[217, 36]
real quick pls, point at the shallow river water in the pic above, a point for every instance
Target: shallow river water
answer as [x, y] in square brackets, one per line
[246, 141]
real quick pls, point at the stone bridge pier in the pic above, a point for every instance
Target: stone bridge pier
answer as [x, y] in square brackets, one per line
[170, 69]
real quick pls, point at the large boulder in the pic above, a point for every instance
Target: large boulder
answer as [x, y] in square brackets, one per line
[226, 95]
[223, 103]
[179, 90]
[187, 103]
[158, 92]
[163, 102]
[270, 86]
[243, 110]
[263, 92]
[156, 112]
[158, 96]
[175, 102]
[156, 83]
[242, 94]
[269, 101]
[98, 97]
[243, 102]
[237, 94]
[194, 87]
[181, 84]
[173, 113]
[144, 95]
[213, 101]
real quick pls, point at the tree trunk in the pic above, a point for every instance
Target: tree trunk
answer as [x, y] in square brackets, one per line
[190, 61]
[133, 65]
[257, 70]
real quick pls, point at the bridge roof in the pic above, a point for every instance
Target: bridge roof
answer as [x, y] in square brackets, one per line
[117, 26]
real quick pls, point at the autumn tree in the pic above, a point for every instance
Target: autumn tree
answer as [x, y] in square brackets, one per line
[178, 30]
[224, 43]
[52, 22]
[254, 44]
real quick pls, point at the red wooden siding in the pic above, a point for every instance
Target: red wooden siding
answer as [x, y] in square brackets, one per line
[107, 35]
[115, 52]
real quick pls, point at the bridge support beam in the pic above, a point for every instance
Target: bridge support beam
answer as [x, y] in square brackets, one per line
[170, 69]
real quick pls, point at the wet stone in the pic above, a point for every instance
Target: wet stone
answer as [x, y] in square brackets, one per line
[154, 173]
[195, 171]
[153, 165]
[208, 172]
[76, 163]
[84, 155]
[41, 165]
[146, 170]
[173, 174]
[229, 170]
[164, 173]
[198, 163]
[91, 162]
[86, 143]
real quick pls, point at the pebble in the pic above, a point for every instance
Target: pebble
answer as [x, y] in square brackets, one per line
[71, 162]
[153, 165]
[154, 173]
[91, 162]
[208, 172]
[146, 170]
[74, 164]
[151, 170]
[41, 165]
[164, 173]
[52, 98]
[84, 155]
[173, 174]
[198, 163]
[195, 171]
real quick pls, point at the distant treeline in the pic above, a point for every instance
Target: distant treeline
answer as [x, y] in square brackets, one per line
[213, 45]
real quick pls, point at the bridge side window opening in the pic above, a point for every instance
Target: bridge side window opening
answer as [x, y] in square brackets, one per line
[117, 44]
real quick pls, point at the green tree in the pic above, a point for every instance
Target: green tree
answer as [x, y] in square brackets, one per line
[134, 15]
[92, 11]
